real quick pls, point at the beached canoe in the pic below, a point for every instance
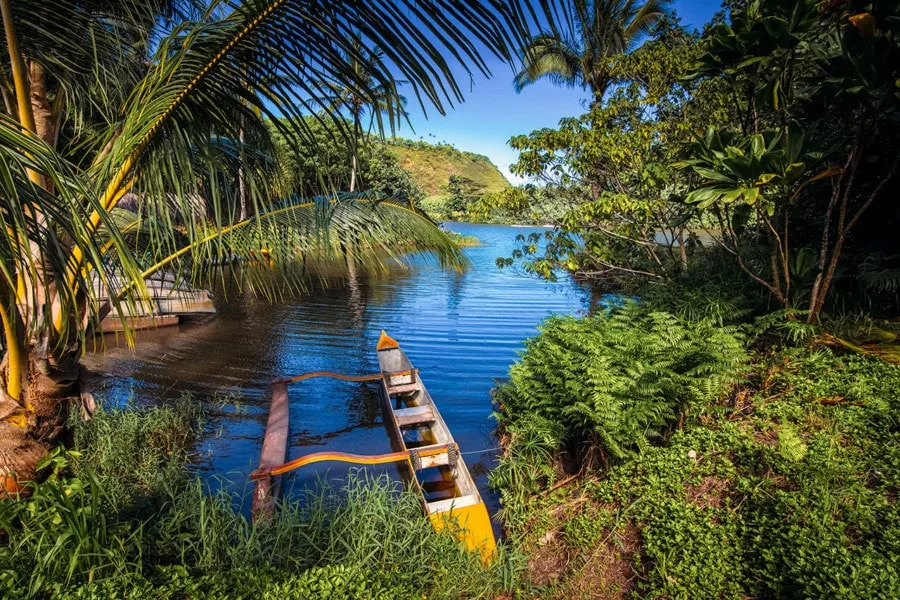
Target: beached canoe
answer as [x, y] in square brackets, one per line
[426, 453]
[414, 424]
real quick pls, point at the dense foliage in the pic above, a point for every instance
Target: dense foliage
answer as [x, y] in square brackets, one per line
[605, 387]
[324, 164]
[742, 456]
[772, 136]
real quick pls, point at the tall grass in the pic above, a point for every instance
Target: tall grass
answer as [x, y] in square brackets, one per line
[122, 517]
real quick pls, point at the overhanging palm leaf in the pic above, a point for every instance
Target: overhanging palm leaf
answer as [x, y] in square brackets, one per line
[176, 138]
[280, 249]
[198, 88]
[594, 33]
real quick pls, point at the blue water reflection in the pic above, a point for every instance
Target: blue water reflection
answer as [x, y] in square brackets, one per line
[462, 330]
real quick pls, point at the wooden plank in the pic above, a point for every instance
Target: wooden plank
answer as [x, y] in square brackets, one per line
[115, 324]
[274, 452]
[406, 417]
[404, 389]
[435, 455]
[445, 505]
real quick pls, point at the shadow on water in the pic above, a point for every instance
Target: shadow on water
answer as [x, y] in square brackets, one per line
[462, 330]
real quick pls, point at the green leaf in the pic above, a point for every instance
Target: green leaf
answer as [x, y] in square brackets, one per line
[714, 175]
[751, 195]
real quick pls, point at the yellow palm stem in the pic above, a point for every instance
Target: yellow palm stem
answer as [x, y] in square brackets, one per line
[20, 78]
[77, 257]
[17, 365]
[114, 191]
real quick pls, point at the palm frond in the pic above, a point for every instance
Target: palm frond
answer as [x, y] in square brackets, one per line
[550, 57]
[280, 249]
[217, 78]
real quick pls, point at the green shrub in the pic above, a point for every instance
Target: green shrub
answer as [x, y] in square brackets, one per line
[618, 380]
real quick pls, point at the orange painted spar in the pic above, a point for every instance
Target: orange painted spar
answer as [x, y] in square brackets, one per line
[372, 377]
[361, 459]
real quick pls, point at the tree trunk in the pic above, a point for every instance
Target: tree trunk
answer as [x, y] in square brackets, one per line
[353, 173]
[44, 119]
[32, 427]
[242, 186]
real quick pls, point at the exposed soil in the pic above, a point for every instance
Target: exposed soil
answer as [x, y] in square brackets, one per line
[709, 493]
[608, 573]
[549, 562]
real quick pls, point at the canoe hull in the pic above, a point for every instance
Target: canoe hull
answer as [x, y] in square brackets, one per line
[449, 494]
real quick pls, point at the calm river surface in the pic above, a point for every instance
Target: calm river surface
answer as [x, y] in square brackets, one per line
[461, 330]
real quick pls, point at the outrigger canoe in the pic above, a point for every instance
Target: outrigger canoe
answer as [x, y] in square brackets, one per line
[431, 463]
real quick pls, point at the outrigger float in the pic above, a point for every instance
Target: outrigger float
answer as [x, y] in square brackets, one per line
[429, 459]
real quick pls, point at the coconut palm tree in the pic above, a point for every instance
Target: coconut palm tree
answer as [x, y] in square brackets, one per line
[165, 101]
[594, 33]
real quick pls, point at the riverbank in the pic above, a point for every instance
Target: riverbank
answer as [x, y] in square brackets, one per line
[659, 452]
[123, 516]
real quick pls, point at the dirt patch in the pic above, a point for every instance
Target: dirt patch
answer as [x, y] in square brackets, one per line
[709, 493]
[608, 573]
[768, 437]
[742, 403]
[549, 562]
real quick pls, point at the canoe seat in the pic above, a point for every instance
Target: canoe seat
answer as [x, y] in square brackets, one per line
[406, 388]
[439, 506]
[417, 415]
[446, 457]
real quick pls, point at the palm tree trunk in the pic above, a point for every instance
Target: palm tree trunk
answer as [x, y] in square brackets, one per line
[354, 149]
[31, 427]
[42, 110]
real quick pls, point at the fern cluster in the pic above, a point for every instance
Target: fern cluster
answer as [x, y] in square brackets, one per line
[608, 385]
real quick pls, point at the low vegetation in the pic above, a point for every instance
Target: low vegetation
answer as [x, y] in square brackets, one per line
[733, 463]
[464, 241]
[122, 516]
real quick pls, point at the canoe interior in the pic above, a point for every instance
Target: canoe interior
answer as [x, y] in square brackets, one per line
[438, 482]
[448, 491]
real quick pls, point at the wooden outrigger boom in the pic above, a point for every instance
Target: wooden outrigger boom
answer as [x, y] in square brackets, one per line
[422, 443]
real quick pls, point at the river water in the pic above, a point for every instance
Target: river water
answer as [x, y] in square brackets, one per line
[461, 330]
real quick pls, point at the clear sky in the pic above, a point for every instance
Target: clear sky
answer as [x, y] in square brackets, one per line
[493, 112]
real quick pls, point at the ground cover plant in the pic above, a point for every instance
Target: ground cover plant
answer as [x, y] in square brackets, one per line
[779, 483]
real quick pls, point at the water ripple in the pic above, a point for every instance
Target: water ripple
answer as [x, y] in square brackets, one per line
[461, 330]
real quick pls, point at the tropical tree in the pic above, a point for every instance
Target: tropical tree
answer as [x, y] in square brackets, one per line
[609, 171]
[166, 104]
[815, 146]
[594, 33]
[379, 101]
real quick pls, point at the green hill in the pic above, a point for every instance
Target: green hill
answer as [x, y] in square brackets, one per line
[432, 165]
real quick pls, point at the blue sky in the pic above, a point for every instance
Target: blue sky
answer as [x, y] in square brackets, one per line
[493, 112]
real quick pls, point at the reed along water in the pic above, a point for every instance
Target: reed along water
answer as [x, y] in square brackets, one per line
[461, 330]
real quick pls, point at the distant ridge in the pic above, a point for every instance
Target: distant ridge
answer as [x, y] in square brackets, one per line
[432, 165]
